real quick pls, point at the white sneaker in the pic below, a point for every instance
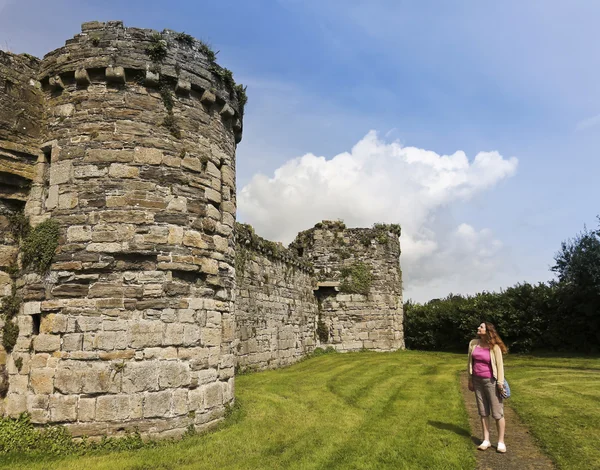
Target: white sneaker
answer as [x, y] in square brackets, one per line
[484, 445]
[501, 447]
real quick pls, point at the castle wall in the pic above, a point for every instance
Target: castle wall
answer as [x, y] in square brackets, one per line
[125, 138]
[136, 313]
[359, 284]
[21, 112]
[275, 308]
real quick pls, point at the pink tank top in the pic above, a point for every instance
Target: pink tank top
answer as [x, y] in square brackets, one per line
[482, 364]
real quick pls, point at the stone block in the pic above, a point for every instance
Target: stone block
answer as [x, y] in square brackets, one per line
[67, 201]
[174, 333]
[208, 265]
[175, 236]
[86, 409]
[180, 402]
[39, 361]
[46, 343]
[116, 75]
[196, 399]
[72, 342]
[183, 87]
[25, 325]
[213, 395]
[148, 156]
[206, 376]
[53, 323]
[56, 83]
[208, 98]
[178, 204]
[82, 77]
[146, 334]
[31, 308]
[157, 404]
[140, 377]
[211, 336]
[89, 171]
[8, 255]
[118, 170]
[227, 111]
[77, 234]
[61, 172]
[212, 195]
[194, 239]
[42, 381]
[89, 323]
[113, 408]
[152, 79]
[186, 315]
[191, 335]
[15, 405]
[173, 374]
[63, 408]
[111, 340]
[108, 156]
[18, 383]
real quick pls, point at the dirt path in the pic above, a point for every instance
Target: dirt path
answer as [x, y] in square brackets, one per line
[521, 453]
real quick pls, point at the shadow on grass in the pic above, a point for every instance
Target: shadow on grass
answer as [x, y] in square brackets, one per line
[450, 427]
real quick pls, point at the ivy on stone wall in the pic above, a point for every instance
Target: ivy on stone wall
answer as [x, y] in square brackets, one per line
[10, 331]
[356, 279]
[39, 246]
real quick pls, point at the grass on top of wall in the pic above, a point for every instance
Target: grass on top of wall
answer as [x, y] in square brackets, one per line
[360, 410]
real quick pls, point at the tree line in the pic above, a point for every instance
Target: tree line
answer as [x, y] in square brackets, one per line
[559, 315]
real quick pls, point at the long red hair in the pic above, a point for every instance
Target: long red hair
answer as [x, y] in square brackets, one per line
[493, 338]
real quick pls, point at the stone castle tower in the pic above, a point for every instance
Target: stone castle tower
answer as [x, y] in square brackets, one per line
[123, 143]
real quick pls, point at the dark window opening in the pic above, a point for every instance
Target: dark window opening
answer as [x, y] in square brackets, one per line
[324, 292]
[48, 155]
[37, 321]
[47, 161]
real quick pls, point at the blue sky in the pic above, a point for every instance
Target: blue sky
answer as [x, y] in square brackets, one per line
[516, 78]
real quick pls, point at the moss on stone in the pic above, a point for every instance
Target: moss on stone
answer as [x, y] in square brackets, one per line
[10, 333]
[356, 279]
[39, 246]
[19, 225]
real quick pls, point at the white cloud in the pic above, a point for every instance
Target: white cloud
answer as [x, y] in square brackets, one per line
[386, 182]
[588, 123]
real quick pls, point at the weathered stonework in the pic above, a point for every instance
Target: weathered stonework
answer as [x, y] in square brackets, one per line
[359, 284]
[130, 328]
[126, 138]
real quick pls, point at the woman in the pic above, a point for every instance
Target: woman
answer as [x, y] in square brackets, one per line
[486, 379]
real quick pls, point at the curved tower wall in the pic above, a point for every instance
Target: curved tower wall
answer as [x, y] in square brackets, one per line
[135, 316]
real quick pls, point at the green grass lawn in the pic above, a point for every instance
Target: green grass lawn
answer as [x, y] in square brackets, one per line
[373, 411]
[361, 410]
[559, 400]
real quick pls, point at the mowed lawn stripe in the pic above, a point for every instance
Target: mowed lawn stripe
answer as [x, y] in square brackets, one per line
[359, 410]
[560, 405]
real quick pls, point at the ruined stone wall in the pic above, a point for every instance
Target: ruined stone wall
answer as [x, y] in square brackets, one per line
[133, 325]
[275, 308]
[21, 117]
[125, 139]
[359, 284]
